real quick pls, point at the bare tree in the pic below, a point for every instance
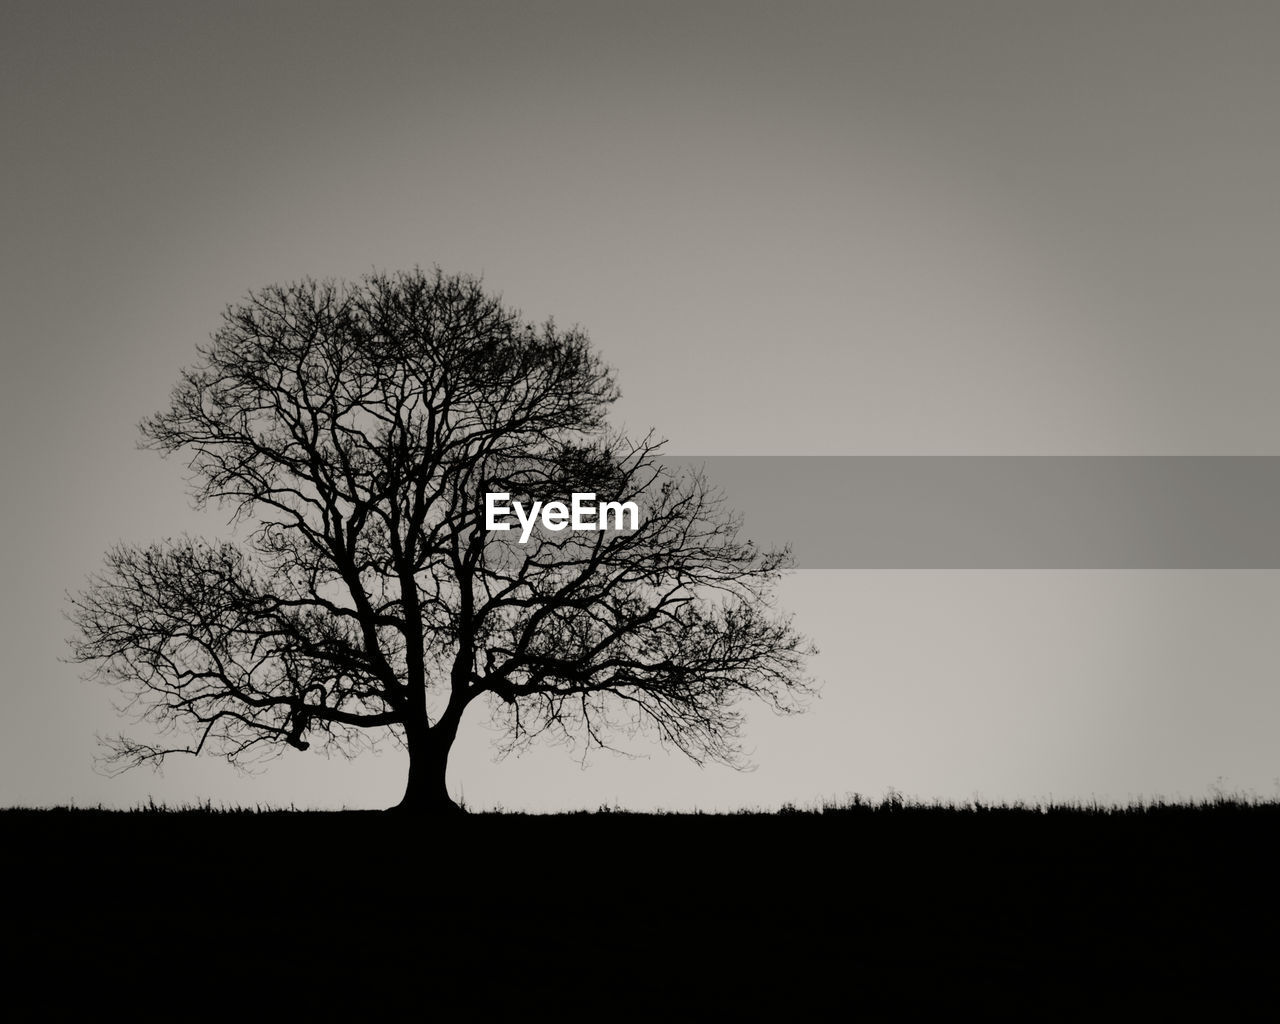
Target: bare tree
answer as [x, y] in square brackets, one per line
[354, 432]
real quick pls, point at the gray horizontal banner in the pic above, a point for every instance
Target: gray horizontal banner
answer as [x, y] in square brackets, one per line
[1007, 512]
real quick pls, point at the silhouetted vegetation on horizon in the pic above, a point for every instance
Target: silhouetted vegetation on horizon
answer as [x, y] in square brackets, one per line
[907, 901]
[856, 805]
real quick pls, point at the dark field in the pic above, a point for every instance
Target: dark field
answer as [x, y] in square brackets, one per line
[1093, 910]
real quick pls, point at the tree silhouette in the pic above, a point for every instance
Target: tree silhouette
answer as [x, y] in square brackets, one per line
[354, 431]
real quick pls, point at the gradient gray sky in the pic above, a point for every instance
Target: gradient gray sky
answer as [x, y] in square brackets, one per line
[855, 228]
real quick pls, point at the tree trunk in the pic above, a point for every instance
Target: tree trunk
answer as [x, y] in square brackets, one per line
[425, 793]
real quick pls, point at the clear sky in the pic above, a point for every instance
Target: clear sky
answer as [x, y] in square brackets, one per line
[804, 228]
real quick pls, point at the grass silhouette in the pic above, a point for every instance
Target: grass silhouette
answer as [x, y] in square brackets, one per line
[890, 902]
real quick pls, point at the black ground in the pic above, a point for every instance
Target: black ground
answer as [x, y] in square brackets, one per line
[890, 905]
